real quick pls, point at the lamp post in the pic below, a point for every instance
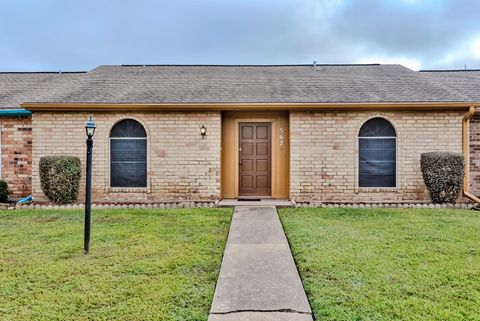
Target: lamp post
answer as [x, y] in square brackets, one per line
[90, 129]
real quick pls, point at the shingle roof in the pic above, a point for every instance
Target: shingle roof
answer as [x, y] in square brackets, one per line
[18, 87]
[466, 82]
[250, 84]
[231, 84]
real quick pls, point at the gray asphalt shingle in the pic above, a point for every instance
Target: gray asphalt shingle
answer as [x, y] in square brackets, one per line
[18, 87]
[233, 84]
[466, 82]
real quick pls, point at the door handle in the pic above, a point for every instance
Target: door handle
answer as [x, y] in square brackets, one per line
[240, 163]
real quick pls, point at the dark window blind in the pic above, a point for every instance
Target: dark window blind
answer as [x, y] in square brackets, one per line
[377, 162]
[128, 155]
[377, 154]
[128, 162]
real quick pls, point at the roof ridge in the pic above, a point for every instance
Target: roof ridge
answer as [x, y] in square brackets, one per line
[43, 72]
[448, 70]
[240, 65]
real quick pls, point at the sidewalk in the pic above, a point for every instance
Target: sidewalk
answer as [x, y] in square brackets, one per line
[258, 279]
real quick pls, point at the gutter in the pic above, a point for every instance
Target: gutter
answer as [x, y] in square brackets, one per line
[46, 106]
[466, 154]
[15, 113]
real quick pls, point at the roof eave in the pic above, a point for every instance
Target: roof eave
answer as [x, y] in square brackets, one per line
[15, 113]
[244, 106]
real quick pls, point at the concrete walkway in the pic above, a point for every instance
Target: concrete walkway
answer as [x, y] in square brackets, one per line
[258, 279]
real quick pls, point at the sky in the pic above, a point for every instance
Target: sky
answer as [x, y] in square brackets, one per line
[72, 35]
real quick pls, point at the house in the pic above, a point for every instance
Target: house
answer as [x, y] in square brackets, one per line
[467, 82]
[331, 133]
[16, 126]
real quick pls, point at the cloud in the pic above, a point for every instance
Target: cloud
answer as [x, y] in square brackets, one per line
[476, 48]
[56, 34]
[421, 30]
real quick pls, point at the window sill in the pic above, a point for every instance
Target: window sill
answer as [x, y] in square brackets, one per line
[128, 190]
[376, 189]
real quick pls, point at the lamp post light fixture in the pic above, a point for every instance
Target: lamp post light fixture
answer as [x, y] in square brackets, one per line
[203, 131]
[90, 130]
[90, 126]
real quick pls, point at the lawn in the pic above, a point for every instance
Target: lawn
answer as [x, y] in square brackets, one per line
[387, 264]
[144, 264]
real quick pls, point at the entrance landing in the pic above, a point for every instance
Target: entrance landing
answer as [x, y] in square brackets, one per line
[258, 279]
[262, 202]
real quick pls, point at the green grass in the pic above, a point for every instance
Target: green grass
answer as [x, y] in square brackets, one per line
[387, 264]
[144, 264]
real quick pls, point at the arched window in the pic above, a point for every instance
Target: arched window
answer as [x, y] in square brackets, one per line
[377, 142]
[128, 154]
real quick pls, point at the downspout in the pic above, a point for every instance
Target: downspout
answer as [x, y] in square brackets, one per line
[466, 154]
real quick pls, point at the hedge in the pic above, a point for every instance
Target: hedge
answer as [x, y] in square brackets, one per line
[443, 174]
[3, 191]
[60, 178]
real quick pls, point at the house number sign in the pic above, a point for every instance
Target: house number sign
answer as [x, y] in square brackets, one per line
[281, 137]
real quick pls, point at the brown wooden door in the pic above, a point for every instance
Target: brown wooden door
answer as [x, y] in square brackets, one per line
[255, 159]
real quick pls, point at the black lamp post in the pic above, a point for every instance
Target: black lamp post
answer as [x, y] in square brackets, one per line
[90, 129]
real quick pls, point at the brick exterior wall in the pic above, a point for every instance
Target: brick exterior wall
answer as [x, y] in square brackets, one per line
[323, 160]
[324, 153]
[16, 151]
[180, 164]
[475, 155]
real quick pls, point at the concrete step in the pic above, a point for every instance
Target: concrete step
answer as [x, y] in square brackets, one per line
[261, 202]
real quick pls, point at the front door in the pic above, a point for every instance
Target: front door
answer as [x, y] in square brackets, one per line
[255, 159]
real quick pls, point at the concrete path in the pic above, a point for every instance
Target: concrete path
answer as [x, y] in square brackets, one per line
[258, 279]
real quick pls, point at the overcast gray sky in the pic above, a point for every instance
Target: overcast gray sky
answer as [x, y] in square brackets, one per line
[38, 35]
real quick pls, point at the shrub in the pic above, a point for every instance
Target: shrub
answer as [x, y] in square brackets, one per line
[60, 178]
[443, 175]
[3, 191]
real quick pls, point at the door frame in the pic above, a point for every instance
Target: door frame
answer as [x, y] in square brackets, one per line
[270, 158]
[280, 157]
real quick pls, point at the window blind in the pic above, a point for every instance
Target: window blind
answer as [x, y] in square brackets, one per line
[377, 154]
[128, 155]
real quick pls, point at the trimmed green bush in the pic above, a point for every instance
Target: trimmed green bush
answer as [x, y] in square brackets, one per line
[443, 174]
[60, 178]
[3, 191]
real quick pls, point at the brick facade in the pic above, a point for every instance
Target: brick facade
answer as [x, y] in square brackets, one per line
[180, 164]
[324, 153]
[475, 155]
[16, 151]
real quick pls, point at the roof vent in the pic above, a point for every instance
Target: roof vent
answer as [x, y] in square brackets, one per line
[314, 63]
